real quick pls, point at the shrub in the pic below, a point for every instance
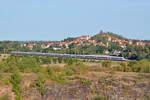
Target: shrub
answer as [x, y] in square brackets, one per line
[54, 60]
[15, 80]
[127, 87]
[132, 63]
[122, 64]
[140, 66]
[85, 82]
[145, 66]
[117, 68]
[57, 69]
[6, 81]
[4, 98]
[50, 72]
[70, 61]
[112, 73]
[127, 69]
[106, 64]
[39, 83]
[69, 72]
[92, 92]
[80, 67]
[65, 60]
[46, 60]
[22, 64]
[100, 97]
[59, 78]
[1, 74]
[60, 60]
[101, 80]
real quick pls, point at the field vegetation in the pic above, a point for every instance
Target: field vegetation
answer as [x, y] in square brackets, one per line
[98, 80]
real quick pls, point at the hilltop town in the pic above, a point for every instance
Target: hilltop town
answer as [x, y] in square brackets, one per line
[80, 41]
[103, 43]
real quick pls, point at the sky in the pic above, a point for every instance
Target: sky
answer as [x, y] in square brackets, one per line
[59, 19]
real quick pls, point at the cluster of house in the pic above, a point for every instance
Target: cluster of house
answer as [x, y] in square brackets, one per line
[80, 41]
[142, 43]
[123, 43]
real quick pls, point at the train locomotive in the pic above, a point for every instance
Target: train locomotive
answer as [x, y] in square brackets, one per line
[95, 57]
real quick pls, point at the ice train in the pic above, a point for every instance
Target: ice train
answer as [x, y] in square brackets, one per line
[94, 57]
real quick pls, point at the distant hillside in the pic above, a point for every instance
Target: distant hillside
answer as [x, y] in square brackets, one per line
[69, 39]
[104, 36]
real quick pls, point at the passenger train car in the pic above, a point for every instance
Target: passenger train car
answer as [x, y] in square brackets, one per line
[112, 58]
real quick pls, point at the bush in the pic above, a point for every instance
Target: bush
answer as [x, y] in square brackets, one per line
[70, 61]
[85, 82]
[1, 74]
[39, 83]
[46, 60]
[4, 98]
[132, 63]
[54, 60]
[60, 60]
[140, 66]
[101, 80]
[106, 64]
[69, 72]
[123, 67]
[59, 77]
[50, 72]
[145, 66]
[15, 80]
[57, 69]
[81, 67]
[22, 64]
[99, 97]
[122, 64]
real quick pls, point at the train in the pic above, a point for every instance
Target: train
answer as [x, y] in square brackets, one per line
[94, 57]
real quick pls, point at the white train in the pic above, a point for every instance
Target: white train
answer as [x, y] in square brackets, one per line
[112, 58]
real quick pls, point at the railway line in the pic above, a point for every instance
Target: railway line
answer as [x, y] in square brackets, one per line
[112, 58]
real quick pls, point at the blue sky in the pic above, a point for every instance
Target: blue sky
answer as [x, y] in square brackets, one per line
[58, 19]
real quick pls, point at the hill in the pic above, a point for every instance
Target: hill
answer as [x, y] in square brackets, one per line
[105, 36]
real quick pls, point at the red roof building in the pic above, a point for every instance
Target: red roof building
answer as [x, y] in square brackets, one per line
[85, 37]
[31, 45]
[100, 44]
[140, 43]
